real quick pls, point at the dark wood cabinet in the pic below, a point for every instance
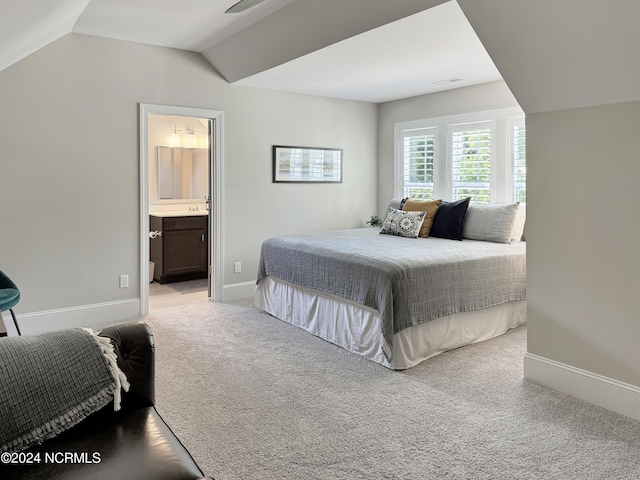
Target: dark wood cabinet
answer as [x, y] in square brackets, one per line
[180, 252]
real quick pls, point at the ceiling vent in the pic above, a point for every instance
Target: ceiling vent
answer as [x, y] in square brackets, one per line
[448, 80]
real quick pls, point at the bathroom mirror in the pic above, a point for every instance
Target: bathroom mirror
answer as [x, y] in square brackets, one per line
[182, 173]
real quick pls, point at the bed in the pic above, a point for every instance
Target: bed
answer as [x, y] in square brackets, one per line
[391, 299]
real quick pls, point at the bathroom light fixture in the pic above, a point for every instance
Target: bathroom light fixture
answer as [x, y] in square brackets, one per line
[192, 140]
[174, 141]
[243, 5]
[188, 141]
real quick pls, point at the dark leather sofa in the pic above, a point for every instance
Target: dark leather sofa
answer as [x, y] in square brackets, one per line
[134, 443]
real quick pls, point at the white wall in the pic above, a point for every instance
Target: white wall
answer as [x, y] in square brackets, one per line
[582, 239]
[487, 96]
[70, 182]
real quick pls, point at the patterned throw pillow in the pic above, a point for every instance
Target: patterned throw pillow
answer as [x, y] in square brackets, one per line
[404, 224]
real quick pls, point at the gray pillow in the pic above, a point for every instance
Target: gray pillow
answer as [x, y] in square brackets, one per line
[396, 203]
[491, 223]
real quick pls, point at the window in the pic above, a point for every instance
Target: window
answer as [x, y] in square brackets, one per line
[471, 162]
[519, 160]
[480, 155]
[418, 158]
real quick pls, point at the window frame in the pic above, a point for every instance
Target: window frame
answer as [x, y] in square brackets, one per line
[502, 151]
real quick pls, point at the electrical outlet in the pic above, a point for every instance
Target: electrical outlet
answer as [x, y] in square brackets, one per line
[237, 267]
[124, 281]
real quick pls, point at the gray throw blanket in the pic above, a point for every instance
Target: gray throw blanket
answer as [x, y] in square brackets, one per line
[51, 382]
[410, 281]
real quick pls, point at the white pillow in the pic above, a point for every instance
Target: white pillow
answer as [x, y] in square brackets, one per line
[402, 223]
[518, 226]
[491, 223]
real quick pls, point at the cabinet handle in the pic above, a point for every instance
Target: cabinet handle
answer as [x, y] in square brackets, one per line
[202, 237]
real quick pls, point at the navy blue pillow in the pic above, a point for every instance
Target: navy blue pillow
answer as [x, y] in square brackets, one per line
[449, 219]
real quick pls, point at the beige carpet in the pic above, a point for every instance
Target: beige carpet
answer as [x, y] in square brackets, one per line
[255, 398]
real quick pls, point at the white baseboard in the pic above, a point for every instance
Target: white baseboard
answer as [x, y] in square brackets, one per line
[605, 392]
[238, 291]
[79, 316]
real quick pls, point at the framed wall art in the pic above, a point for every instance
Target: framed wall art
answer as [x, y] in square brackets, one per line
[307, 164]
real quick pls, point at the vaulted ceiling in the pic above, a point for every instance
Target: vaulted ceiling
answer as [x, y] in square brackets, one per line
[552, 54]
[561, 54]
[370, 50]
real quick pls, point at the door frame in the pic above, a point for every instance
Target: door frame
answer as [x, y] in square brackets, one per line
[215, 195]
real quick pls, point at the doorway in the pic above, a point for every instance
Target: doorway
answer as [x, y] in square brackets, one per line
[180, 176]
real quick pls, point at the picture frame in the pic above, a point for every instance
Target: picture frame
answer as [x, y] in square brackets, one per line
[293, 164]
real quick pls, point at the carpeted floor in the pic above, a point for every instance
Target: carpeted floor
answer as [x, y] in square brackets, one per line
[254, 398]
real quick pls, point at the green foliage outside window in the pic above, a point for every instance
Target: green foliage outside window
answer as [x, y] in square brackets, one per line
[520, 164]
[419, 158]
[472, 165]
[467, 158]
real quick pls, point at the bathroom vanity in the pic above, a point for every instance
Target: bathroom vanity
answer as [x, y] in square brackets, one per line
[180, 250]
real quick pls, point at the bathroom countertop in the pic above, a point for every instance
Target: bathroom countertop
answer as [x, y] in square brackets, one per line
[180, 214]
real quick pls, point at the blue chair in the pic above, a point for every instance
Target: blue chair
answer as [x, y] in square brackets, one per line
[9, 297]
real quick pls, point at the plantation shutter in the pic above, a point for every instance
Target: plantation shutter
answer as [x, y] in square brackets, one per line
[471, 161]
[519, 160]
[419, 158]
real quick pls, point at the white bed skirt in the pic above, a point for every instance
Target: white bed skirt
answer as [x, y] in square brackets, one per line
[356, 328]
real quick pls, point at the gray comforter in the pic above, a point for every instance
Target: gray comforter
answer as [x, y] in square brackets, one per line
[409, 281]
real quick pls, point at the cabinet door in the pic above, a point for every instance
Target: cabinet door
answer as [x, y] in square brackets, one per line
[185, 251]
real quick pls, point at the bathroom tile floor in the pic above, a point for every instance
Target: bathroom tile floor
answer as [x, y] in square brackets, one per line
[161, 296]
